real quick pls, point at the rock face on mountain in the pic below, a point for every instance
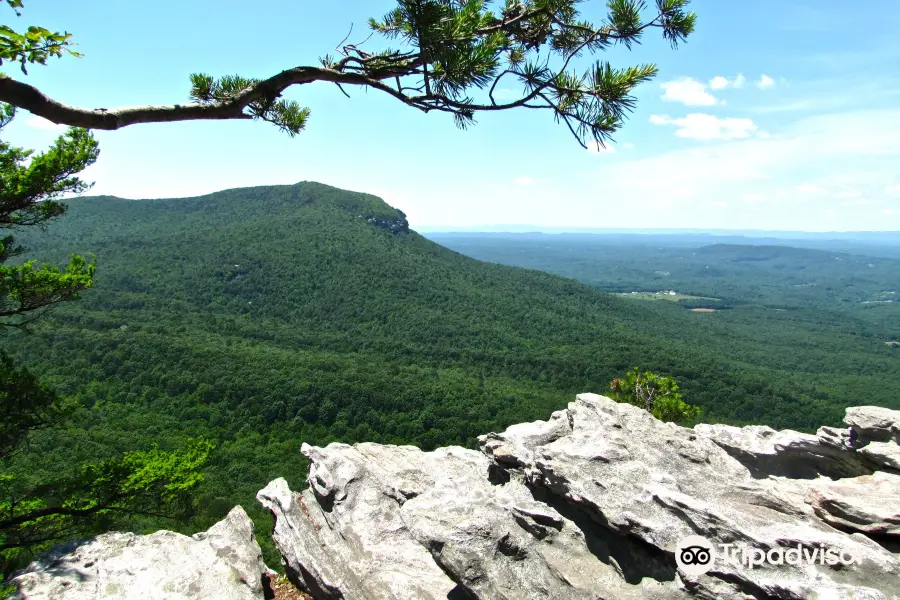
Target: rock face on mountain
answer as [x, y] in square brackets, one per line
[400, 225]
[224, 563]
[595, 503]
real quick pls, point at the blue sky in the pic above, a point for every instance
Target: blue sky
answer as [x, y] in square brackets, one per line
[774, 115]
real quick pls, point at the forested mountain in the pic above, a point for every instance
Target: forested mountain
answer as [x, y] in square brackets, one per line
[262, 317]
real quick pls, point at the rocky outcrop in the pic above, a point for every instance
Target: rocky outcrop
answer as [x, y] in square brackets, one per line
[596, 503]
[600, 501]
[395, 226]
[224, 563]
[870, 443]
[874, 423]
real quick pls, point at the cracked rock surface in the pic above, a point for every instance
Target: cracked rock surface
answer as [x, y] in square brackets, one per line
[224, 563]
[592, 504]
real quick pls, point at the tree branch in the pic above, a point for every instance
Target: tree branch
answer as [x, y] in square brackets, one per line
[33, 100]
[600, 106]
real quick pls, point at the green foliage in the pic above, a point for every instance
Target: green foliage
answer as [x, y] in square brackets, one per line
[657, 394]
[29, 187]
[30, 184]
[91, 497]
[27, 288]
[75, 497]
[288, 115]
[453, 51]
[27, 406]
[35, 45]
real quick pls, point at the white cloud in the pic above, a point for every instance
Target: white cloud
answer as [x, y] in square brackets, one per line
[630, 146]
[797, 170]
[596, 148]
[765, 82]
[893, 190]
[701, 126]
[42, 123]
[891, 211]
[688, 91]
[718, 204]
[523, 180]
[719, 82]
[848, 194]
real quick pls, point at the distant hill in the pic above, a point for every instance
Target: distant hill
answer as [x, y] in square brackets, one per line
[870, 243]
[263, 317]
[775, 275]
[873, 237]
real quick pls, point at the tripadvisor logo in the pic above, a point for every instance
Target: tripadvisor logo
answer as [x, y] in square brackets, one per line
[696, 555]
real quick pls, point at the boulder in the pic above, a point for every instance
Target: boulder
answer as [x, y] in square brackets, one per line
[224, 563]
[389, 522]
[884, 454]
[874, 423]
[868, 504]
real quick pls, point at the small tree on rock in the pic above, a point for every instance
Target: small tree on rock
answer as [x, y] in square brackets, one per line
[657, 394]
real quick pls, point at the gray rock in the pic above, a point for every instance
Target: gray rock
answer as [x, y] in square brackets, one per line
[765, 451]
[884, 454]
[224, 563]
[660, 483]
[388, 522]
[868, 504]
[589, 504]
[874, 423]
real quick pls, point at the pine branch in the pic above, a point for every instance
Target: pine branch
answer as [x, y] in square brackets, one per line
[455, 49]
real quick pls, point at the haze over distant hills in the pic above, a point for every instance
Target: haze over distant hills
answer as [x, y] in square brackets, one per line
[879, 236]
[874, 243]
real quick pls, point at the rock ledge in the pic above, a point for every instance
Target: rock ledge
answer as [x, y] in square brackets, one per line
[593, 504]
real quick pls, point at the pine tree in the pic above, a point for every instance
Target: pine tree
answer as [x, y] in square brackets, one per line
[657, 394]
[450, 57]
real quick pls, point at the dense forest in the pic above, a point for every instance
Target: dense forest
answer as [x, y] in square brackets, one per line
[260, 318]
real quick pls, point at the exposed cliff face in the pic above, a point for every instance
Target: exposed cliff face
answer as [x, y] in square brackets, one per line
[593, 503]
[398, 225]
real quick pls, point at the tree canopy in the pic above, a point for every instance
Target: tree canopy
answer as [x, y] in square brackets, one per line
[450, 56]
